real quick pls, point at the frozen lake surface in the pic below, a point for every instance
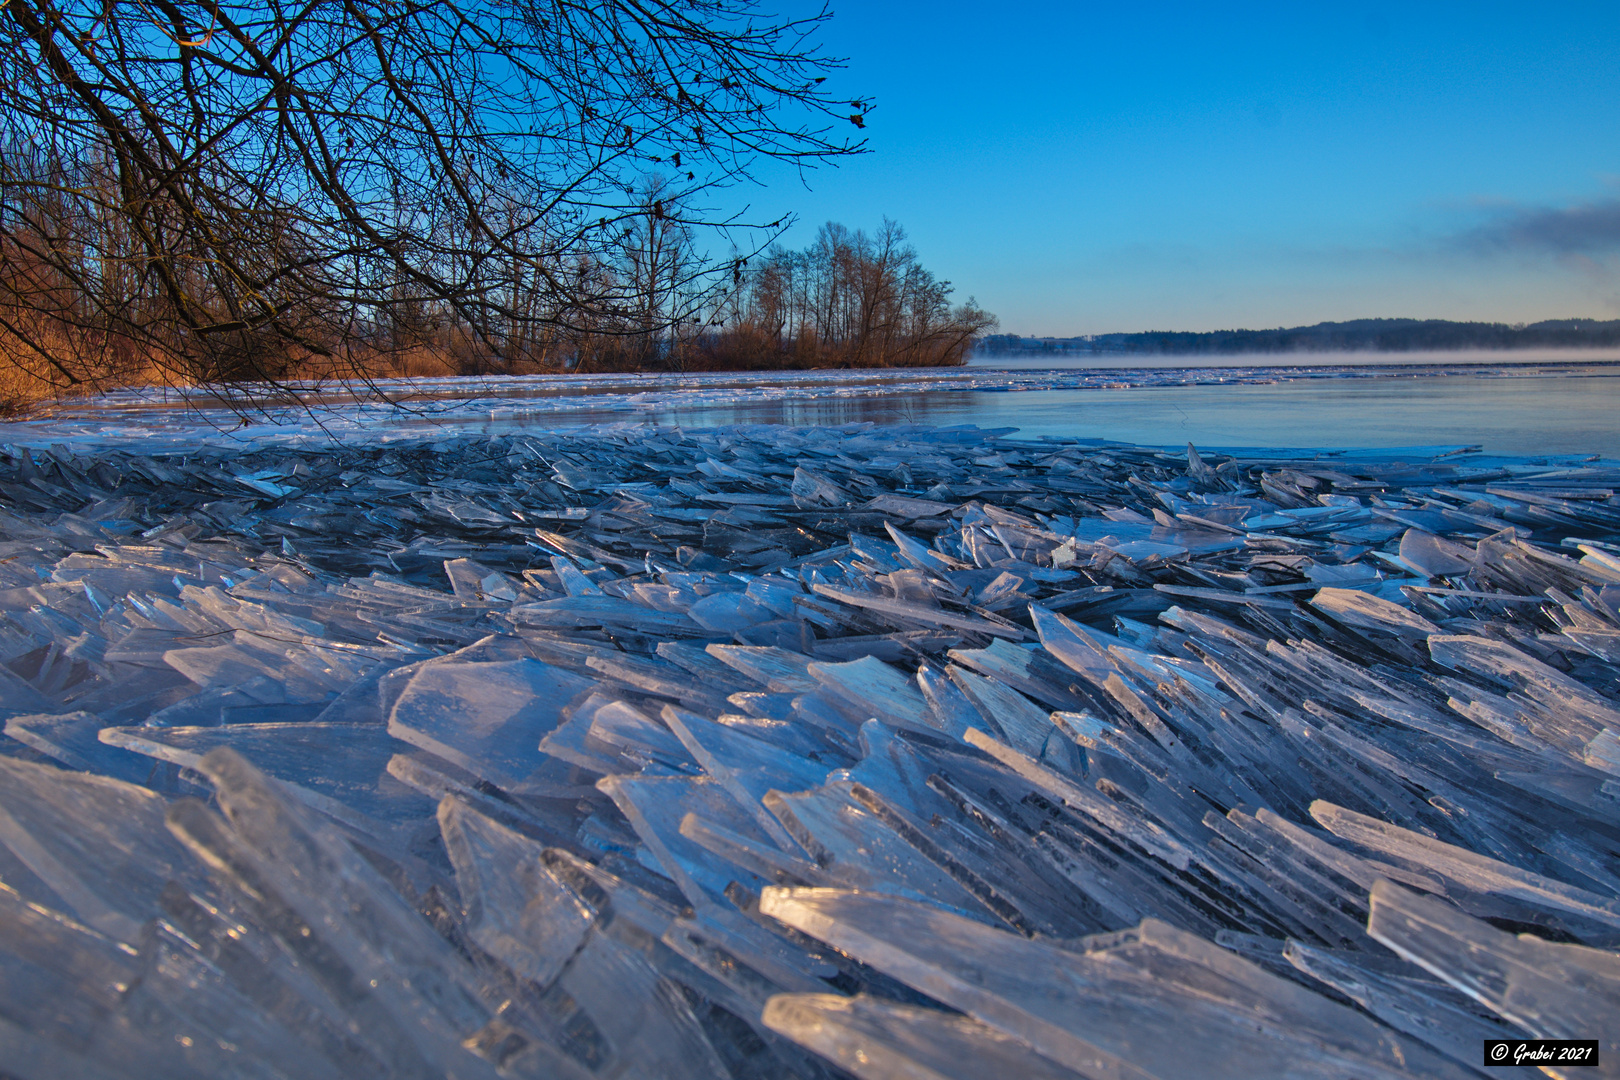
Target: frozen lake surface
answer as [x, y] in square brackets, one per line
[758, 751]
[1506, 408]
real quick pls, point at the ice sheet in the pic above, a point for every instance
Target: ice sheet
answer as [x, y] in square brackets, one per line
[439, 753]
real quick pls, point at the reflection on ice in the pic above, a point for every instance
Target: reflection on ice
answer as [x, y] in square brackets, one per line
[1511, 405]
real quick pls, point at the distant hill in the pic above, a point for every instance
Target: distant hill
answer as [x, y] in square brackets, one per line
[1357, 335]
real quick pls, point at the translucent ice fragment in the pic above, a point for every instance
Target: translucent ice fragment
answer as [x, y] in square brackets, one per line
[950, 709]
[780, 670]
[728, 612]
[906, 507]
[64, 983]
[655, 676]
[1114, 816]
[868, 687]
[1025, 724]
[718, 676]
[883, 1040]
[213, 1020]
[1073, 644]
[777, 595]
[516, 910]
[614, 1014]
[574, 581]
[1141, 551]
[1459, 865]
[581, 611]
[811, 488]
[1148, 1002]
[1030, 671]
[89, 1006]
[225, 665]
[770, 717]
[338, 769]
[1424, 1010]
[1603, 752]
[620, 724]
[360, 702]
[1353, 576]
[487, 718]
[893, 767]
[1512, 667]
[375, 955]
[655, 807]
[747, 766]
[18, 698]
[70, 738]
[914, 553]
[923, 613]
[1361, 609]
[97, 843]
[1553, 991]
[572, 740]
[1603, 564]
[855, 847]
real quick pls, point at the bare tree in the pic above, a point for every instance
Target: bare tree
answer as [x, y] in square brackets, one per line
[662, 275]
[219, 189]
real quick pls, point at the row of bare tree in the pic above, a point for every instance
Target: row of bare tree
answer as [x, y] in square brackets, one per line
[643, 298]
[849, 300]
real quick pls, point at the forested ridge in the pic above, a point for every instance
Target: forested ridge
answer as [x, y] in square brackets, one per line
[1376, 335]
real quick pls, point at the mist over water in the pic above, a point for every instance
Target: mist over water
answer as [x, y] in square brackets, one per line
[1448, 357]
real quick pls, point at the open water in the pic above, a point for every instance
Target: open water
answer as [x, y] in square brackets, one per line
[1558, 414]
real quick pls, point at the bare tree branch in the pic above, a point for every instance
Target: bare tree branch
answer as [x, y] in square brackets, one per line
[221, 192]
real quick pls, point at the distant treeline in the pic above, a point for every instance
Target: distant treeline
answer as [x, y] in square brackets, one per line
[1357, 335]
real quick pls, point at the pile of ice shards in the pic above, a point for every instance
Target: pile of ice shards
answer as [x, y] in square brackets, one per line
[803, 753]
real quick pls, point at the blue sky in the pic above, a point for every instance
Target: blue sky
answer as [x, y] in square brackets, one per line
[1082, 168]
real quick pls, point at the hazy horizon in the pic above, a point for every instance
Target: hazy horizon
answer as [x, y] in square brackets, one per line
[1352, 319]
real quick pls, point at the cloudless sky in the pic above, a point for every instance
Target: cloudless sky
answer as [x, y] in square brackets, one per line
[1087, 167]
